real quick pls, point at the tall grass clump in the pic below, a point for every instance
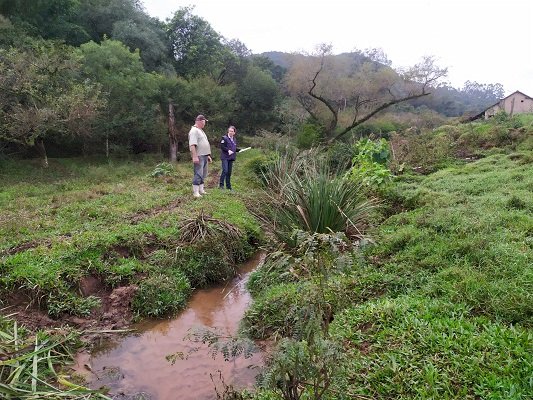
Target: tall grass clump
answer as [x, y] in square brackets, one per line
[31, 364]
[209, 249]
[308, 196]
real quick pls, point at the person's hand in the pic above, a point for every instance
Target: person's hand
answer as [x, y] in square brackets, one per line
[209, 159]
[230, 152]
[196, 160]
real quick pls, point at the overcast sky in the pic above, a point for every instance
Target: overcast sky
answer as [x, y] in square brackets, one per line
[487, 41]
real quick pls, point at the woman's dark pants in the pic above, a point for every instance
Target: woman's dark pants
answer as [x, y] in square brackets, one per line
[227, 166]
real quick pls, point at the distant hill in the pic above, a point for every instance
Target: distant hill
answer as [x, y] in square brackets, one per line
[278, 58]
[285, 59]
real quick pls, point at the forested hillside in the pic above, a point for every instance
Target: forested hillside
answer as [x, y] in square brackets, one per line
[103, 77]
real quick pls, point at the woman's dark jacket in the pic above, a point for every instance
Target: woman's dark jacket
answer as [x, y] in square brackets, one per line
[228, 144]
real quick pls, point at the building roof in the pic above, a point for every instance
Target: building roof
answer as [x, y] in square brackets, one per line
[479, 115]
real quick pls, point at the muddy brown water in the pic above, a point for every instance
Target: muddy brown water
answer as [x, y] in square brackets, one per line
[136, 367]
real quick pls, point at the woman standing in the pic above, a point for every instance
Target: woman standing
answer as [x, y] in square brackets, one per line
[228, 150]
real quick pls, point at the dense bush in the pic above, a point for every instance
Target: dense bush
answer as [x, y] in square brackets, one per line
[162, 294]
[308, 136]
[369, 164]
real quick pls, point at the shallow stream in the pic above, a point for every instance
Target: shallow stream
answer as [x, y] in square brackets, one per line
[136, 367]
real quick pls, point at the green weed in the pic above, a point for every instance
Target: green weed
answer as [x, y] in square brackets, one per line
[161, 295]
[415, 347]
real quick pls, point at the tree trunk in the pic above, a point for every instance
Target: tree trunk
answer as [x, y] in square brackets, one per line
[107, 146]
[42, 151]
[173, 143]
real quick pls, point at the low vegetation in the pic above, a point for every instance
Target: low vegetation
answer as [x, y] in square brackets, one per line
[29, 362]
[418, 286]
[117, 224]
[435, 302]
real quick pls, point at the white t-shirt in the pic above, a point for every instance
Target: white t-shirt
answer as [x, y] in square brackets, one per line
[198, 137]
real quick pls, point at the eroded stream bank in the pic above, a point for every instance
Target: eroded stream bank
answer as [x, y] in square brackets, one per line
[135, 366]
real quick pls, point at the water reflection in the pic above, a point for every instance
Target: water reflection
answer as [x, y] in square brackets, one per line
[137, 364]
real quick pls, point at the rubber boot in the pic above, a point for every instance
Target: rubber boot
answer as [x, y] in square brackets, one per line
[196, 191]
[202, 191]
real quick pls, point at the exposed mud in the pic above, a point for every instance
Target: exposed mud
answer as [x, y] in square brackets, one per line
[114, 312]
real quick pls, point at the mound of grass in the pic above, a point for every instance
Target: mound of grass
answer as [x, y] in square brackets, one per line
[161, 295]
[469, 239]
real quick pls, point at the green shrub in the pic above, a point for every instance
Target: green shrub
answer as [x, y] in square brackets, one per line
[163, 169]
[203, 265]
[339, 156]
[301, 369]
[161, 294]
[275, 270]
[259, 165]
[308, 136]
[275, 312]
[59, 303]
[369, 163]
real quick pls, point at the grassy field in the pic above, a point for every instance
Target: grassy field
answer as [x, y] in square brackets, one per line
[111, 221]
[458, 320]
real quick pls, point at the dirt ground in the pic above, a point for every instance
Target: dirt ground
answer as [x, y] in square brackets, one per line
[113, 314]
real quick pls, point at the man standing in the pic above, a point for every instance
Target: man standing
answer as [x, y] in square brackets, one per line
[201, 155]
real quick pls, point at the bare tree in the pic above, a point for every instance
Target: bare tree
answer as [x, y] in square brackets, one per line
[341, 97]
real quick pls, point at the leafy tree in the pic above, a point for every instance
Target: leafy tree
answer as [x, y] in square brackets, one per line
[148, 36]
[276, 71]
[342, 95]
[132, 112]
[195, 46]
[99, 16]
[48, 19]
[43, 96]
[180, 100]
[258, 94]
[235, 62]
[204, 95]
[125, 20]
